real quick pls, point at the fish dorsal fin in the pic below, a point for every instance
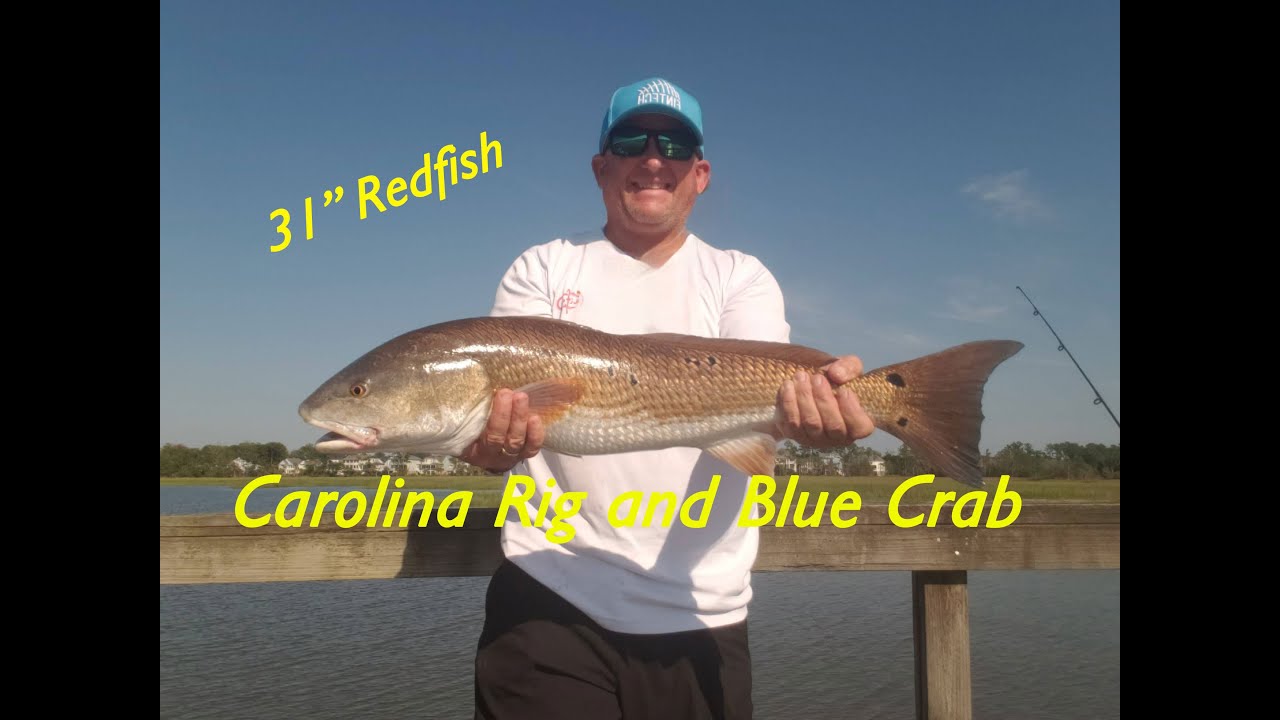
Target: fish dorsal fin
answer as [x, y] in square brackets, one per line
[786, 352]
[752, 454]
[549, 399]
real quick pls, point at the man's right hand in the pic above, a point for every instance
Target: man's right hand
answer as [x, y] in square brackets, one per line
[511, 435]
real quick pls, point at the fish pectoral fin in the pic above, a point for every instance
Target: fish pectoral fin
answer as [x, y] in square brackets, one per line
[752, 454]
[549, 399]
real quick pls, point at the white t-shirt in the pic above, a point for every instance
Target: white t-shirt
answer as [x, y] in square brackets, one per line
[643, 579]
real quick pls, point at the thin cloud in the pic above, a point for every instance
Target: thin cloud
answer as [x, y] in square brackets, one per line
[1007, 196]
[966, 310]
[973, 300]
[813, 323]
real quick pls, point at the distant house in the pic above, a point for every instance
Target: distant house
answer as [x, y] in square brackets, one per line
[243, 466]
[413, 465]
[877, 467]
[417, 465]
[393, 465]
[435, 465]
[832, 460]
[292, 466]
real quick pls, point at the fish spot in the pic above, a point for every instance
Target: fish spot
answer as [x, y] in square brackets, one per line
[896, 380]
[902, 422]
[611, 371]
[634, 381]
[693, 361]
[711, 359]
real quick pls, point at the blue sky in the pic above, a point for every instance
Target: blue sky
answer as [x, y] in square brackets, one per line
[900, 167]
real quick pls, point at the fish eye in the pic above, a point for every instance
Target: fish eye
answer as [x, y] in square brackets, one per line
[359, 390]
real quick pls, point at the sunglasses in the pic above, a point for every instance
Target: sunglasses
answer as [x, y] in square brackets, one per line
[676, 144]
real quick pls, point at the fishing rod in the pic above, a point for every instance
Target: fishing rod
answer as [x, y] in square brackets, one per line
[1097, 400]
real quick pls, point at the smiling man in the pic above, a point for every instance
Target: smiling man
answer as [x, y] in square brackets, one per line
[651, 187]
[637, 620]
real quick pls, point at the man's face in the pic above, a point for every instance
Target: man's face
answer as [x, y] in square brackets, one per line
[649, 193]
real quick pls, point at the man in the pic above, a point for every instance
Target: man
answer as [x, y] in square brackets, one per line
[637, 622]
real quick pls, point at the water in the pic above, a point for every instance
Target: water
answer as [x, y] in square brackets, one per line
[1044, 644]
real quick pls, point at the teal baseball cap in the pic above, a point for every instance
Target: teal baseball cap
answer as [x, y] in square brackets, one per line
[653, 95]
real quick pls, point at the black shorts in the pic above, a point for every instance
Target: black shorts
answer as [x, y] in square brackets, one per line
[540, 657]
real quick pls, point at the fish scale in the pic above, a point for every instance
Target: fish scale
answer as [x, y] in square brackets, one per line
[666, 404]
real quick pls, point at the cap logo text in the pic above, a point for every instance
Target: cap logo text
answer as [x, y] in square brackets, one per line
[659, 91]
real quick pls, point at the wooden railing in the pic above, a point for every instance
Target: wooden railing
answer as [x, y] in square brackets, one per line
[1044, 536]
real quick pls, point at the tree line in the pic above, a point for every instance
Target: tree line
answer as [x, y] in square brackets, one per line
[249, 458]
[1065, 460]
[218, 460]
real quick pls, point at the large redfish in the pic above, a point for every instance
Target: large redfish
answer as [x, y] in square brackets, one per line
[429, 391]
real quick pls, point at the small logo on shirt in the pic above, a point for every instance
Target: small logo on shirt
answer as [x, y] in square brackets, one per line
[569, 300]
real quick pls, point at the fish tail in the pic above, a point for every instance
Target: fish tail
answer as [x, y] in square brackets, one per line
[933, 404]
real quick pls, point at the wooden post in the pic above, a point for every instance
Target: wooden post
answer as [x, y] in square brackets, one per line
[940, 616]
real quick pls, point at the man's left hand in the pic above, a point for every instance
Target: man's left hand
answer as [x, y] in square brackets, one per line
[812, 414]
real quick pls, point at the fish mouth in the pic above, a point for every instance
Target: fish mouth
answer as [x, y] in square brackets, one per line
[345, 438]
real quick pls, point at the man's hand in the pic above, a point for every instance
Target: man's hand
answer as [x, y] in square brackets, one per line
[511, 435]
[810, 413]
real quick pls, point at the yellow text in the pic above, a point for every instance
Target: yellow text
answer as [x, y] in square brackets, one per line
[761, 493]
[420, 183]
[977, 499]
[518, 494]
[634, 501]
[350, 508]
